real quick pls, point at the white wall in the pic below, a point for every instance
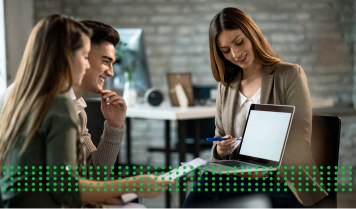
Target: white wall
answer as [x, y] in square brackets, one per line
[3, 83]
[18, 25]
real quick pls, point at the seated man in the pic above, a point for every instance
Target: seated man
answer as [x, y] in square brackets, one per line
[101, 58]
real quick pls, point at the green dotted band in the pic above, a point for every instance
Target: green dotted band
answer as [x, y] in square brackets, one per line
[30, 178]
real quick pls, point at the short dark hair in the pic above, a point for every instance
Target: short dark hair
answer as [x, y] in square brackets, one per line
[102, 32]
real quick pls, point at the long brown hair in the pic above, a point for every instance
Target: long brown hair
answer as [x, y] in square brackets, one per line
[45, 71]
[232, 19]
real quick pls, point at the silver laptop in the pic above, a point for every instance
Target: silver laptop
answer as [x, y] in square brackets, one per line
[263, 141]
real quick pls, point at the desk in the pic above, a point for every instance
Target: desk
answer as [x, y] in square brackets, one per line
[168, 113]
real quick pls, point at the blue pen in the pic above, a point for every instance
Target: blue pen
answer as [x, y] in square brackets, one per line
[220, 139]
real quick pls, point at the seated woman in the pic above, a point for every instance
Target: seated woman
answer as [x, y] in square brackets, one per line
[250, 72]
[41, 155]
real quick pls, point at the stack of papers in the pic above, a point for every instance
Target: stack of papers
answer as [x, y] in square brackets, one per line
[171, 175]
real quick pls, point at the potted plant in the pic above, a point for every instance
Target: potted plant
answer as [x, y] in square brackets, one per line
[127, 60]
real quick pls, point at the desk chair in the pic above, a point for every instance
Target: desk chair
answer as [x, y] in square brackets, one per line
[1, 203]
[207, 130]
[95, 123]
[325, 144]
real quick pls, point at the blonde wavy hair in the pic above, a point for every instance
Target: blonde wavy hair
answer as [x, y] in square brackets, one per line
[45, 71]
[232, 19]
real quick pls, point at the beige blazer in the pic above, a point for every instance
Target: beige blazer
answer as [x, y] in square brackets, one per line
[282, 84]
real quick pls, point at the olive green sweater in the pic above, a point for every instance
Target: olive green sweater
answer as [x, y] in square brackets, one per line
[43, 176]
[99, 159]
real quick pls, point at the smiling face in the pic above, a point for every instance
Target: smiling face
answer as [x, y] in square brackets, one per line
[80, 62]
[101, 59]
[236, 48]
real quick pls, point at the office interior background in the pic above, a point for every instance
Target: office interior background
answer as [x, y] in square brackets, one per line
[318, 35]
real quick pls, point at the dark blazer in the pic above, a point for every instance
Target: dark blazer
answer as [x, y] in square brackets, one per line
[282, 84]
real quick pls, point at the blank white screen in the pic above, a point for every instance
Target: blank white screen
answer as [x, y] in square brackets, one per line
[264, 135]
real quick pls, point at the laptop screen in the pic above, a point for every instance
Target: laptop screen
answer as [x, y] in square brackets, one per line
[265, 133]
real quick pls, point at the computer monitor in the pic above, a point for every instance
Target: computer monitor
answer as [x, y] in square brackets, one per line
[133, 38]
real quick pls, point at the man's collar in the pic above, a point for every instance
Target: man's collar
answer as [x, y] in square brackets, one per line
[80, 104]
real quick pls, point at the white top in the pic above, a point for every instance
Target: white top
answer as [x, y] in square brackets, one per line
[79, 104]
[242, 112]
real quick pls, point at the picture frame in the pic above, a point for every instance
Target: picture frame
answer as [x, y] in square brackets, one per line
[185, 80]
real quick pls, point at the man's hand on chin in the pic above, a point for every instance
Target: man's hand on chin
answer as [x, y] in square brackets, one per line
[114, 108]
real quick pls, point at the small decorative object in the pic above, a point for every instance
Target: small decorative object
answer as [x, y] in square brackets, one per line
[153, 96]
[185, 86]
[181, 96]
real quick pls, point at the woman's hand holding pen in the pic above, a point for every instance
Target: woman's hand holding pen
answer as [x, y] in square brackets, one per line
[226, 147]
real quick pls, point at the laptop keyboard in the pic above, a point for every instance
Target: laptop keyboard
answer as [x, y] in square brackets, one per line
[238, 164]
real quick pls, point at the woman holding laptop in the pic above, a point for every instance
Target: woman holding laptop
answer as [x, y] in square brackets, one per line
[41, 155]
[249, 72]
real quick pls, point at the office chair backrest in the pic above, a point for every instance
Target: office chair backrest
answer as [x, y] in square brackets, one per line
[325, 144]
[206, 125]
[95, 122]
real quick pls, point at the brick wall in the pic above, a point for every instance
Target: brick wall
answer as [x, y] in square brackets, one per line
[319, 35]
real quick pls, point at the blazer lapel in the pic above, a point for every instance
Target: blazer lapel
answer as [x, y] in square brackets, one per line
[233, 97]
[267, 83]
